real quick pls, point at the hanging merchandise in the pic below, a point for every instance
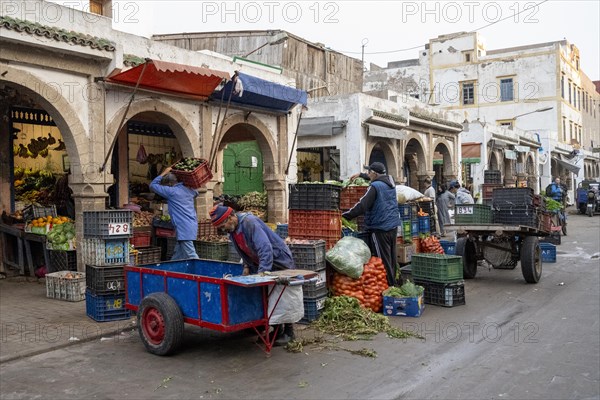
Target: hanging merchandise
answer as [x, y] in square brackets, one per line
[142, 157]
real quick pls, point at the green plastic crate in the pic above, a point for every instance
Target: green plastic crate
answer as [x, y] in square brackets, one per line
[440, 268]
[212, 250]
[473, 214]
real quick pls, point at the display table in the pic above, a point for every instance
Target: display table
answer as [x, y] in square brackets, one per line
[14, 237]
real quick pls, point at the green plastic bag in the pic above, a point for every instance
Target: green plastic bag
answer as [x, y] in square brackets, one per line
[349, 256]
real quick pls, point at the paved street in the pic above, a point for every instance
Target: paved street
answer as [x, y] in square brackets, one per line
[511, 340]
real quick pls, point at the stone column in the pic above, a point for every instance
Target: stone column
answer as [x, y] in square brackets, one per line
[277, 205]
[421, 178]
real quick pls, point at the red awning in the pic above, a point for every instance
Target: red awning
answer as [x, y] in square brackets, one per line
[172, 78]
[471, 150]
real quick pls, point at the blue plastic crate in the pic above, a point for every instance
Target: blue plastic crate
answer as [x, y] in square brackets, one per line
[102, 308]
[449, 247]
[414, 227]
[548, 252]
[405, 211]
[282, 230]
[424, 224]
[349, 232]
[312, 309]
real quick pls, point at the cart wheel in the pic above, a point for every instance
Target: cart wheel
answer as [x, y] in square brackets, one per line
[564, 228]
[466, 249]
[531, 259]
[160, 323]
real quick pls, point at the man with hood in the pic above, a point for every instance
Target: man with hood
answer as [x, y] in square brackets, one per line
[379, 205]
[463, 196]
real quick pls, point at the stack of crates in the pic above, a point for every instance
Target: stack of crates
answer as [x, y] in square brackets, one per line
[105, 251]
[492, 179]
[442, 277]
[310, 255]
[314, 212]
[427, 224]
[515, 206]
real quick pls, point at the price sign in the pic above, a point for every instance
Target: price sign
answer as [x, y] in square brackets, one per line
[464, 210]
[118, 229]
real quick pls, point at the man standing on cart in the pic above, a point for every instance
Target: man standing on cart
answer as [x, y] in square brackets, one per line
[182, 209]
[261, 249]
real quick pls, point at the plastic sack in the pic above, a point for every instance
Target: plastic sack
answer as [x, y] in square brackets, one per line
[142, 157]
[406, 193]
[290, 308]
[348, 256]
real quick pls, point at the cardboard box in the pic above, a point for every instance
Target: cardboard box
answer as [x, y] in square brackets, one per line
[403, 306]
[404, 252]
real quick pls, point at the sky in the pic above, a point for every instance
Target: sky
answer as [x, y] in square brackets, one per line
[389, 30]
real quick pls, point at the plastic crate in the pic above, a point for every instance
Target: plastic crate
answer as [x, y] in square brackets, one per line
[443, 294]
[108, 224]
[105, 279]
[309, 256]
[406, 273]
[212, 250]
[314, 196]
[103, 308]
[553, 238]
[524, 215]
[424, 224]
[405, 211]
[312, 309]
[206, 228]
[145, 255]
[350, 195]
[487, 190]
[316, 289]
[326, 225]
[62, 261]
[403, 306]
[406, 229]
[65, 285]
[349, 232]
[512, 197]
[32, 212]
[196, 178]
[141, 239]
[104, 252]
[492, 176]
[157, 223]
[282, 230]
[440, 268]
[232, 253]
[170, 247]
[473, 214]
[548, 252]
[163, 232]
[449, 247]
[426, 206]
[414, 227]
[545, 221]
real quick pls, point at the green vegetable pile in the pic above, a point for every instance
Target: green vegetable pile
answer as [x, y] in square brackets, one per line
[552, 205]
[60, 235]
[352, 225]
[253, 200]
[343, 316]
[188, 164]
[408, 289]
[356, 182]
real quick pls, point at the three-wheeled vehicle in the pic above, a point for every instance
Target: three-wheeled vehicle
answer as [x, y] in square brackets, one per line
[588, 197]
[206, 293]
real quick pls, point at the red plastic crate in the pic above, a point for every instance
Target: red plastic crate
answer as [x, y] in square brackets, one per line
[488, 188]
[351, 195]
[162, 232]
[141, 239]
[315, 224]
[196, 178]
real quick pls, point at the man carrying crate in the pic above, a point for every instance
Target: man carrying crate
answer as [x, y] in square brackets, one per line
[182, 209]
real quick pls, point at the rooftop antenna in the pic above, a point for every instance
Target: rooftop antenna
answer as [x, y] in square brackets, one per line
[364, 43]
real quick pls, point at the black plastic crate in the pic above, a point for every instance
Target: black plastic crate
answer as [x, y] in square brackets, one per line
[105, 280]
[32, 212]
[62, 261]
[108, 224]
[524, 215]
[314, 196]
[492, 176]
[316, 289]
[443, 294]
[511, 197]
[426, 206]
[310, 256]
[170, 247]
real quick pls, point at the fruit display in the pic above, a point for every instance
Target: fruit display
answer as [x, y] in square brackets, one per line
[33, 186]
[142, 218]
[188, 164]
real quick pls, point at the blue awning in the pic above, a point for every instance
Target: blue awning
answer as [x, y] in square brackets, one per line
[255, 92]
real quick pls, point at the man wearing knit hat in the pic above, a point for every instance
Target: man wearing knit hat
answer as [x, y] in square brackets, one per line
[261, 249]
[182, 209]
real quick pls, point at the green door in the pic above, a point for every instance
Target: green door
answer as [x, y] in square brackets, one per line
[242, 168]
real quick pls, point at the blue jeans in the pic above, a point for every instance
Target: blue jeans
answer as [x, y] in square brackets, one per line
[184, 250]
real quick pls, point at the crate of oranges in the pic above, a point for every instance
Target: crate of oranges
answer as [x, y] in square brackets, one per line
[43, 225]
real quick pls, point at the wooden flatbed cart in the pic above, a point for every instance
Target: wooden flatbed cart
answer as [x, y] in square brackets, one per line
[206, 293]
[503, 246]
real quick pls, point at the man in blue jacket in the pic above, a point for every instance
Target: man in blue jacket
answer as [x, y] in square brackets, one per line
[182, 209]
[380, 208]
[261, 249]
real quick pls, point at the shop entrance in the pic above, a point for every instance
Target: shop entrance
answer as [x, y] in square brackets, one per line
[242, 168]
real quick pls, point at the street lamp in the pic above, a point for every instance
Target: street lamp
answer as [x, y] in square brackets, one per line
[534, 111]
[271, 41]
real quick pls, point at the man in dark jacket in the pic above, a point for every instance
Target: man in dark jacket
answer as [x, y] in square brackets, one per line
[261, 249]
[380, 208]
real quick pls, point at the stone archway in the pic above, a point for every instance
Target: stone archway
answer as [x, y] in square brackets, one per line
[383, 151]
[415, 162]
[447, 169]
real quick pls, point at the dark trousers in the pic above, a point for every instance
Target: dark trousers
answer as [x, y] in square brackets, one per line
[383, 245]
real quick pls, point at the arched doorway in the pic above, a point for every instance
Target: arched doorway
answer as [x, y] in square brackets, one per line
[383, 152]
[442, 164]
[415, 162]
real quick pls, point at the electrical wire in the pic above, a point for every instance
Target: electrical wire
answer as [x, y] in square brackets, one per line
[420, 46]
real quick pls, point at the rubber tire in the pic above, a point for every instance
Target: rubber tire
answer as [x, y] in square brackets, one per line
[531, 259]
[466, 249]
[564, 226]
[162, 309]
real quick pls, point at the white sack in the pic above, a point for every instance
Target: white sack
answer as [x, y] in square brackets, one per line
[290, 308]
[406, 193]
